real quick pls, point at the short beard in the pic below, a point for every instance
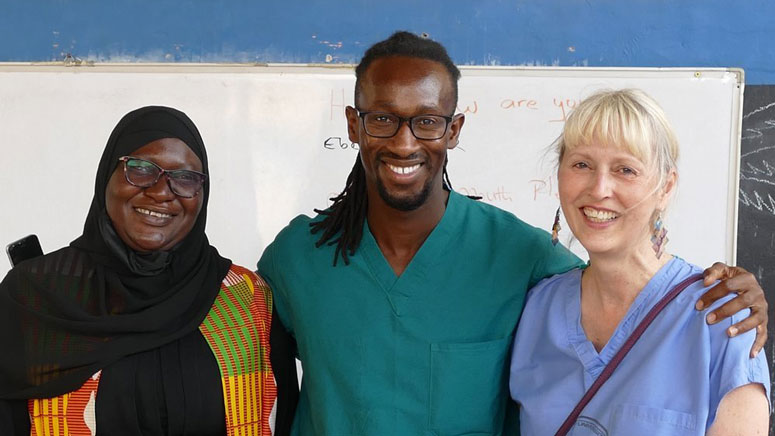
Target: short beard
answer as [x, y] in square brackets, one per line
[405, 204]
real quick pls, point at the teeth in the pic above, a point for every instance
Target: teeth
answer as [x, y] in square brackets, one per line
[152, 213]
[599, 215]
[404, 170]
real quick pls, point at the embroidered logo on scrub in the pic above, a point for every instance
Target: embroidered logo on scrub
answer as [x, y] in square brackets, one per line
[588, 426]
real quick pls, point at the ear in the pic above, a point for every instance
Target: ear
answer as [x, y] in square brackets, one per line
[455, 126]
[353, 124]
[668, 189]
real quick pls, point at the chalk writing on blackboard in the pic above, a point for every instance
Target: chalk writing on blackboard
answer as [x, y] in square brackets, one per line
[759, 109]
[762, 172]
[757, 201]
[758, 173]
[758, 132]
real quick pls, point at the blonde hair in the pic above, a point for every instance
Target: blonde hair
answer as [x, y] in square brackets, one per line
[627, 119]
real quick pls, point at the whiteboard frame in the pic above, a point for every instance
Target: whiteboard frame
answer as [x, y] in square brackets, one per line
[76, 66]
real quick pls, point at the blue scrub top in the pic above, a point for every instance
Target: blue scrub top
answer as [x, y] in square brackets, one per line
[670, 383]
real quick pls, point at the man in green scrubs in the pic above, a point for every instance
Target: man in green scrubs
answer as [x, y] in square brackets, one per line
[404, 296]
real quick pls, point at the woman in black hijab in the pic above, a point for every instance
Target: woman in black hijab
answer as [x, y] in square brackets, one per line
[139, 326]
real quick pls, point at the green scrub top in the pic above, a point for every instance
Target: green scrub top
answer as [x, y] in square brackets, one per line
[424, 353]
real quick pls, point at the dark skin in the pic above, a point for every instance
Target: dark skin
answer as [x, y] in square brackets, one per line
[749, 295]
[407, 87]
[129, 206]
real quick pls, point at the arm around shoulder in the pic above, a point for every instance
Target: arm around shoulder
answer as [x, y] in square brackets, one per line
[553, 259]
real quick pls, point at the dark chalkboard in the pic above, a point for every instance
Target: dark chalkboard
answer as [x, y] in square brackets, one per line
[756, 216]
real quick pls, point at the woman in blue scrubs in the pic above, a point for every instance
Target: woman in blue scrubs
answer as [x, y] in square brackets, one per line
[617, 172]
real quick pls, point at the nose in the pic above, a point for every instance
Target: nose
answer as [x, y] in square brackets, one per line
[160, 191]
[404, 138]
[602, 184]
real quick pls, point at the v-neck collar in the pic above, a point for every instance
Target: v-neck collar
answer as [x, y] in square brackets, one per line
[595, 362]
[426, 257]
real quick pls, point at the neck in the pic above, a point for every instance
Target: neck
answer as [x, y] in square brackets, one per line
[610, 285]
[617, 279]
[400, 234]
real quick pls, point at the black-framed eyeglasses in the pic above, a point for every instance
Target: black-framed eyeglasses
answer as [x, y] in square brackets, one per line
[144, 174]
[386, 125]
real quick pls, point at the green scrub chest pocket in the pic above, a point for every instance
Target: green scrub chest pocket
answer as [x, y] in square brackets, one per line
[468, 387]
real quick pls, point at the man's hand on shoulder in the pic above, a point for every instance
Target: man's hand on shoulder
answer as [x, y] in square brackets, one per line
[737, 280]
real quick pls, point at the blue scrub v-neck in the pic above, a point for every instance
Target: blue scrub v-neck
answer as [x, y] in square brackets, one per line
[670, 383]
[594, 362]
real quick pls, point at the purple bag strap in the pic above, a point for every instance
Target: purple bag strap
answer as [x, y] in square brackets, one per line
[617, 359]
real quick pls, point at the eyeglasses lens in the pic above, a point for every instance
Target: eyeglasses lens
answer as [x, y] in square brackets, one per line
[429, 126]
[145, 174]
[142, 173]
[185, 183]
[386, 125]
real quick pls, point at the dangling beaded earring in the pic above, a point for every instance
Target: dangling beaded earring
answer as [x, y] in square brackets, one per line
[659, 235]
[556, 228]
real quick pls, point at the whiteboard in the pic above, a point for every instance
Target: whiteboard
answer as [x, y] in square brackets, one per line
[276, 136]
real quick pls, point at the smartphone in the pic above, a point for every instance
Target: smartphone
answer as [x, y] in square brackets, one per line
[23, 249]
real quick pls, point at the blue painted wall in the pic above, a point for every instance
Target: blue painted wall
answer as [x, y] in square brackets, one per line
[490, 32]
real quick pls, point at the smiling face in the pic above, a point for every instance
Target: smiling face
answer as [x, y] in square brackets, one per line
[154, 218]
[609, 198]
[404, 172]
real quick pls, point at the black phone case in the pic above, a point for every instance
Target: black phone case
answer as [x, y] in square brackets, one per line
[23, 249]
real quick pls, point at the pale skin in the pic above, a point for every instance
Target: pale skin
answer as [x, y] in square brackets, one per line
[740, 411]
[609, 197]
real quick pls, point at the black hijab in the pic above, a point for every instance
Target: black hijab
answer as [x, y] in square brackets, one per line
[68, 314]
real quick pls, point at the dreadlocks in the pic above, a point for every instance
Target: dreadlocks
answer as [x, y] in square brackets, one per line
[410, 45]
[347, 214]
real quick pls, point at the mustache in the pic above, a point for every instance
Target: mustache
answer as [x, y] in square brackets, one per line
[416, 155]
